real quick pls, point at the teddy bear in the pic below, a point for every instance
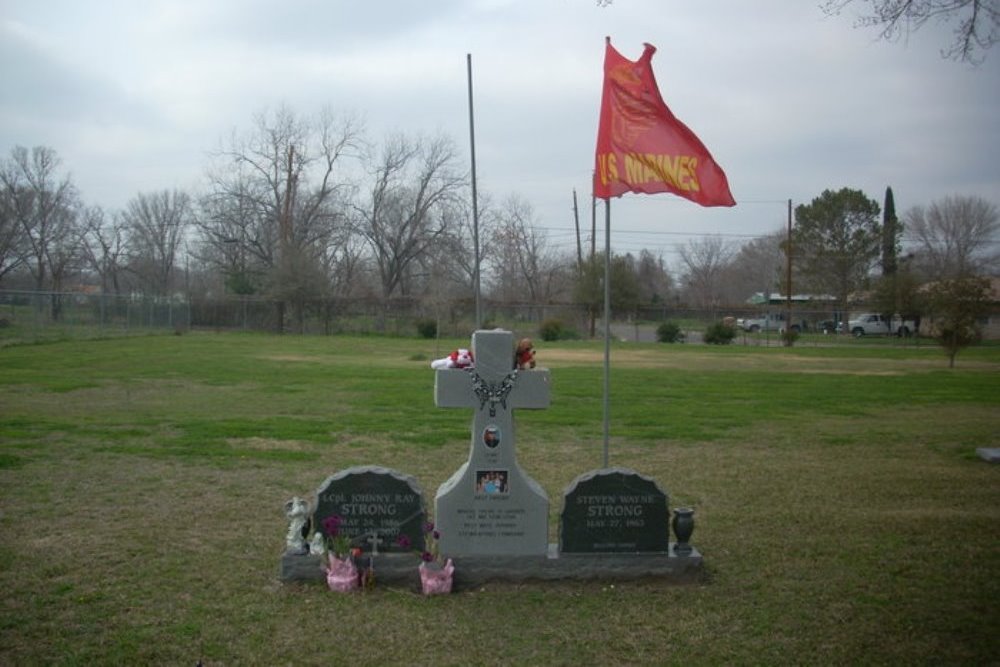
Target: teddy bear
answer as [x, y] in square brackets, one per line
[524, 355]
[460, 358]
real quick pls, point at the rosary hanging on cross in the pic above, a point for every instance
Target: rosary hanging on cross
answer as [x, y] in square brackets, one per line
[493, 393]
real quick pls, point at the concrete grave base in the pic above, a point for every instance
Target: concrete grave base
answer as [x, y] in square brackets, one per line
[396, 569]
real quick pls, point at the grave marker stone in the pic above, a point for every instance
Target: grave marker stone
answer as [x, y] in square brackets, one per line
[376, 506]
[490, 506]
[614, 510]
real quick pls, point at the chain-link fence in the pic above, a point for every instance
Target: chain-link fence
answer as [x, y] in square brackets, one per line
[29, 315]
[33, 316]
[38, 315]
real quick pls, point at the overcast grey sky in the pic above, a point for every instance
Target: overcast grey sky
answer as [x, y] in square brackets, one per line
[132, 95]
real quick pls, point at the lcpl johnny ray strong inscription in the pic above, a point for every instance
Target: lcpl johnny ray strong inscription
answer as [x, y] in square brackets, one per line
[369, 504]
[376, 505]
[366, 512]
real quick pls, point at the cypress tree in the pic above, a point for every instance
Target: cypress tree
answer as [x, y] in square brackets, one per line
[890, 231]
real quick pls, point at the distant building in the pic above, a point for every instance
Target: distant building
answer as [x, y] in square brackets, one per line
[759, 299]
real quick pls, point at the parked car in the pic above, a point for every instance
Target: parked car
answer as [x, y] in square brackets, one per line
[872, 324]
[767, 322]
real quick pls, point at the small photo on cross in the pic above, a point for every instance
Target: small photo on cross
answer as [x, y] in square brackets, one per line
[491, 436]
[491, 482]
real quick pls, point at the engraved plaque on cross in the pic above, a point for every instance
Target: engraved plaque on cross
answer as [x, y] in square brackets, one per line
[490, 506]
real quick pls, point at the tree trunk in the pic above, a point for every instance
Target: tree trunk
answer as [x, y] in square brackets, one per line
[280, 317]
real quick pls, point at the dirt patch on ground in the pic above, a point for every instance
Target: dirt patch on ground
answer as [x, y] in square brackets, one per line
[832, 371]
[568, 357]
[268, 444]
[301, 358]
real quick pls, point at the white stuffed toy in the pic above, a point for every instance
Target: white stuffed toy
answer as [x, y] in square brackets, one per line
[460, 358]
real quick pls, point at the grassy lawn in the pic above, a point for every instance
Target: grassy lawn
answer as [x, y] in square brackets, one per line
[841, 509]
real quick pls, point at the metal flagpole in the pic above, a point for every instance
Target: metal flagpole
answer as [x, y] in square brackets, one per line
[607, 325]
[475, 203]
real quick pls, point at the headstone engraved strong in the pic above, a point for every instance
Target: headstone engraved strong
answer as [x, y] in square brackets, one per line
[490, 506]
[376, 505]
[614, 510]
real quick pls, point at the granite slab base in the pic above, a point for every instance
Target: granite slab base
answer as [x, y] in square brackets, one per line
[396, 569]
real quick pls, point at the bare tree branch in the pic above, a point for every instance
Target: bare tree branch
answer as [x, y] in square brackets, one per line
[977, 22]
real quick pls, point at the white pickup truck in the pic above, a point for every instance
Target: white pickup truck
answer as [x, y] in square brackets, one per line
[766, 322]
[873, 324]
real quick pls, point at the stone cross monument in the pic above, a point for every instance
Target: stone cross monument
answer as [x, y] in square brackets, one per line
[490, 506]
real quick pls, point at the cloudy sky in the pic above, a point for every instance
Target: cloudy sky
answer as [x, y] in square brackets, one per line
[134, 95]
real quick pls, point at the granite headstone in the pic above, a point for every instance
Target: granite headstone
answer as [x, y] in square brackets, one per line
[614, 510]
[373, 503]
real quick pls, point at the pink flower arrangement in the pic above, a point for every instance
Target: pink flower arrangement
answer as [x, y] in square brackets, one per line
[430, 553]
[435, 575]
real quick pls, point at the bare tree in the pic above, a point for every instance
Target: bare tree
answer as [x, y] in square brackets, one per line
[235, 238]
[104, 247]
[63, 256]
[955, 237]
[44, 206]
[404, 211]
[977, 22]
[523, 266]
[706, 261]
[456, 259]
[653, 279]
[276, 206]
[12, 238]
[341, 258]
[156, 223]
[759, 266]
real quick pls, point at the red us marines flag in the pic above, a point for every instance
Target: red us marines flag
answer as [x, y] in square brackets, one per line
[642, 147]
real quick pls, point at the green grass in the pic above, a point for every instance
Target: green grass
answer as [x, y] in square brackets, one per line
[842, 511]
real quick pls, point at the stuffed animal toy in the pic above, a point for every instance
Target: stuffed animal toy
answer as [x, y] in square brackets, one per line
[524, 355]
[460, 358]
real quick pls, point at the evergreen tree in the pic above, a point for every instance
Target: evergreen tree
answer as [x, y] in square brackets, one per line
[891, 231]
[837, 238]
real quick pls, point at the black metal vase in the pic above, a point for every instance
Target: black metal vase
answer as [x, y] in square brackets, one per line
[683, 527]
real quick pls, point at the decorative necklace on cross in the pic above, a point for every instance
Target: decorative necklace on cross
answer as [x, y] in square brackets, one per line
[493, 393]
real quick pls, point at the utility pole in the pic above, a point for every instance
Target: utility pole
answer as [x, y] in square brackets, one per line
[579, 248]
[286, 215]
[285, 225]
[788, 277]
[593, 227]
